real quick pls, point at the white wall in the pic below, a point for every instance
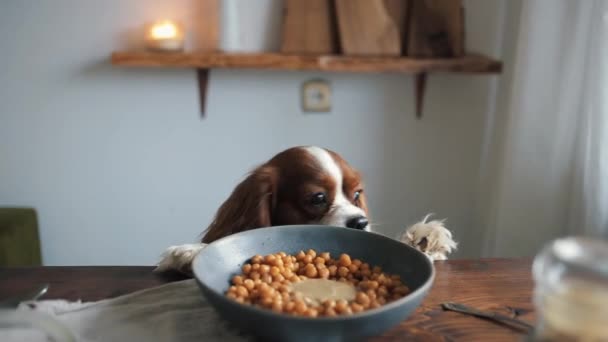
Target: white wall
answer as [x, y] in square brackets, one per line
[119, 163]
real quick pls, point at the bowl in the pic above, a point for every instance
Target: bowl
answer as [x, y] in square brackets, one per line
[216, 264]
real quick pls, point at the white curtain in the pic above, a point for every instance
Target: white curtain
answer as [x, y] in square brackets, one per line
[549, 147]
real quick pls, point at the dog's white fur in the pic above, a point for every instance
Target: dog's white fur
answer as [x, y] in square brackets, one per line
[341, 209]
[431, 238]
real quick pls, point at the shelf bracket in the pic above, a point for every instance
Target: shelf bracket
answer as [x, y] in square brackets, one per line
[202, 76]
[420, 87]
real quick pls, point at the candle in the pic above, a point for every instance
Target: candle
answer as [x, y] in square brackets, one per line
[165, 35]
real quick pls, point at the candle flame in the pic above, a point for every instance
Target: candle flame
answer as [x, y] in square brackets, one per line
[163, 30]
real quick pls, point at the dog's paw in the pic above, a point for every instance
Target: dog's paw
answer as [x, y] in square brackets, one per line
[179, 258]
[431, 238]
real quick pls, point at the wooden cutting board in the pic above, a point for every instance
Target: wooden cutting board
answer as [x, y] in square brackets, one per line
[208, 26]
[366, 28]
[436, 29]
[309, 27]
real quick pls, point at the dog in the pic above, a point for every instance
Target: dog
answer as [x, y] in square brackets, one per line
[303, 185]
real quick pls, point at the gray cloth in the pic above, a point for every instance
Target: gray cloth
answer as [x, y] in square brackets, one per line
[171, 312]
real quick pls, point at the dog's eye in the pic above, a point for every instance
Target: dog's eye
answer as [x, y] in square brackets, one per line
[357, 195]
[318, 199]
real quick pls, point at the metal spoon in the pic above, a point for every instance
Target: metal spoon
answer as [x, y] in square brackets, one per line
[496, 317]
[34, 294]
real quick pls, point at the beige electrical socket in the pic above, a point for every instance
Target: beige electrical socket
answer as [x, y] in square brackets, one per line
[316, 96]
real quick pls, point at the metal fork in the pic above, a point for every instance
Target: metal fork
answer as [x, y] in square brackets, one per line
[34, 294]
[496, 317]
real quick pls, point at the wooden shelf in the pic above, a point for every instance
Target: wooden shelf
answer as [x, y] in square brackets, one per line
[469, 64]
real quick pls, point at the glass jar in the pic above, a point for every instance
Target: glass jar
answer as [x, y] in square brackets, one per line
[571, 290]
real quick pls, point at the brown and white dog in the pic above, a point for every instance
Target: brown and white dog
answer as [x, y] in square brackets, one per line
[303, 185]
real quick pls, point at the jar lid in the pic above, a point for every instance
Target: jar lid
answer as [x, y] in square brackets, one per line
[584, 256]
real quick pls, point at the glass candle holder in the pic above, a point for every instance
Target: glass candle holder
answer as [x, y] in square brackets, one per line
[571, 290]
[165, 36]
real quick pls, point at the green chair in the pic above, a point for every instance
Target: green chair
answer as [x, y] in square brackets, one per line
[19, 239]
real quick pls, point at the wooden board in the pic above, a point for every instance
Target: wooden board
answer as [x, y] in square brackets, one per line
[309, 27]
[436, 29]
[208, 25]
[398, 10]
[366, 28]
[466, 64]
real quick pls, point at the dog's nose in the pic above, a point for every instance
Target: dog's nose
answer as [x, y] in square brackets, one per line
[358, 222]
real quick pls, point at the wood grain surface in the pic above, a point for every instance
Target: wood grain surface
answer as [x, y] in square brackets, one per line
[309, 27]
[503, 285]
[367, 29]
[468, 64]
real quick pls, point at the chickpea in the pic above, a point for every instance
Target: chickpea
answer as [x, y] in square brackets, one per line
[307, 259]
[289, 306]
[300, 306]
[312, 313]
[242, 291]
[332, 270]
[311, 271]
[319, 260]
[264, 269]
[249, 284]
[246, 268]
[326, 256]
[341, 305]
[345, 260]
[329, 303]
[330, 312]
[356, 307]
[343, 271]
[256, 259]
[363, 299]
[311, 252]
[324, 273]
[270, 258]
[266, 278]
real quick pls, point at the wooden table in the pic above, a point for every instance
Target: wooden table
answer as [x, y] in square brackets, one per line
[503, 285]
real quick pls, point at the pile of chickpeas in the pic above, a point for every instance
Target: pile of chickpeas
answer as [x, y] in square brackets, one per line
[265, 282]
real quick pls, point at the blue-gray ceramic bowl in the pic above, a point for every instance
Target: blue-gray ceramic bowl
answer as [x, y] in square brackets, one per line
[216, 264]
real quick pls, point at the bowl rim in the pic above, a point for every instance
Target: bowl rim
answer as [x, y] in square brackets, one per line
[425, 287]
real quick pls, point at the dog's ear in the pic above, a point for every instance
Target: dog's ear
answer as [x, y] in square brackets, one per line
[249, 206]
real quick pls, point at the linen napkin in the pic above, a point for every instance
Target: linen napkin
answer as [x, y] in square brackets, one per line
[171, 312]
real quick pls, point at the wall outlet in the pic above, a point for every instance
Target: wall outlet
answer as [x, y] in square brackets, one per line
[316, 96]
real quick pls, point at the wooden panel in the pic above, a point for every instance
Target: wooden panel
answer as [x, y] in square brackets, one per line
[366, 28]
[436, 29]
[508, 290]
[309, 27]
[467, 64]
[398, 10]
[208, 26]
